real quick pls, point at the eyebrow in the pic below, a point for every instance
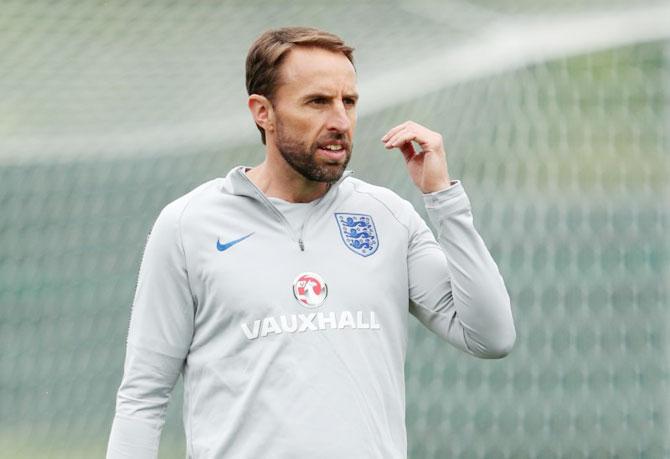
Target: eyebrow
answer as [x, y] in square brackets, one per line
[353, 95]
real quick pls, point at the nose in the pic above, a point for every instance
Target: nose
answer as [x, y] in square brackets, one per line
[339, 119]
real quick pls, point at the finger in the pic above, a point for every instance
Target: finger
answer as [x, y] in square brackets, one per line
[394, 131]
[400, 138]
[403, 141]
[425, 140]
[408, 151]
[393, 139]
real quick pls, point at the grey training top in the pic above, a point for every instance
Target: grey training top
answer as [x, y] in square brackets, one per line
[292, 341]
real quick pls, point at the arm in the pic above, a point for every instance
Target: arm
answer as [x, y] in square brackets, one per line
[161, 329]
[455, 287]
[141, 403]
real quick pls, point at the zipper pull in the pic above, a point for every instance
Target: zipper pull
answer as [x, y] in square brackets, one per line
[302, 246]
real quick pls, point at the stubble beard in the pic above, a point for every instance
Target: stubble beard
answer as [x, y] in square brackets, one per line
[302, 158]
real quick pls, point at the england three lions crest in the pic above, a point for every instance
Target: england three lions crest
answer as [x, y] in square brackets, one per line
[358, 233]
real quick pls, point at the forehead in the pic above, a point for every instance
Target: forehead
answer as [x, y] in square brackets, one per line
[309, 69]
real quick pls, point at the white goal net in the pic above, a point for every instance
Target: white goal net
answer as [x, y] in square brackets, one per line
[556, 118]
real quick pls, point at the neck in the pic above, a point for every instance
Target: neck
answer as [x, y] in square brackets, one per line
[277, 179]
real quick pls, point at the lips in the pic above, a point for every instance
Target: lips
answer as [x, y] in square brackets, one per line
[335, 155]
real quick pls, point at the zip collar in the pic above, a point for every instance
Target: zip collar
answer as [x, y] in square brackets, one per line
[238, 183]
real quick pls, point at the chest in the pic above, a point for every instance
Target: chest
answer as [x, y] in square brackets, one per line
[254, 275]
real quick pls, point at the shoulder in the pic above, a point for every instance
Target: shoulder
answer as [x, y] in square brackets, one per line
[173, 213]
[398, 207]
[362, 190]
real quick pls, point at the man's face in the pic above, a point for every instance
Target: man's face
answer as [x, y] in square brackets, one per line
[315, 113]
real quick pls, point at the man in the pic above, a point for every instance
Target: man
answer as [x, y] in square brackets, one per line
[281, 292]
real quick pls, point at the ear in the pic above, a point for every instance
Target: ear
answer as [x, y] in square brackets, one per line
[262, 111]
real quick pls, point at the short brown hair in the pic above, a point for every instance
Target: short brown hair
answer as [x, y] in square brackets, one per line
[268, 51]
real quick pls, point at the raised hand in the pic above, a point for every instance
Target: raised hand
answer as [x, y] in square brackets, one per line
[428, 167]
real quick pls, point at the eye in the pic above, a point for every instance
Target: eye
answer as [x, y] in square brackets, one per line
[319, 101]
[350, 101]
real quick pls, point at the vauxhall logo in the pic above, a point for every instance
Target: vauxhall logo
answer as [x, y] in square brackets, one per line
[310, 290]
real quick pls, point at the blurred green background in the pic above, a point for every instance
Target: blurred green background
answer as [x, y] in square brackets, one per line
[110, 110]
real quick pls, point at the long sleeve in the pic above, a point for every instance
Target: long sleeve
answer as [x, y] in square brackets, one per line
[456, 289]
[160, 333]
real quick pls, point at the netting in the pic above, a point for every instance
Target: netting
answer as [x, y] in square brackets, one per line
[565, 162]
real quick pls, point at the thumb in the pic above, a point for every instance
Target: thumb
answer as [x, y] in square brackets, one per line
[407, 150]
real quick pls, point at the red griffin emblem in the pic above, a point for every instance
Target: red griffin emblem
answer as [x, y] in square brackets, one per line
[310, 290]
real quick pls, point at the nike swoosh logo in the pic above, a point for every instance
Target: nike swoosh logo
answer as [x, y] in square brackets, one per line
[221, 247]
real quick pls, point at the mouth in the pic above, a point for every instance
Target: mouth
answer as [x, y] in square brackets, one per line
[334, 151]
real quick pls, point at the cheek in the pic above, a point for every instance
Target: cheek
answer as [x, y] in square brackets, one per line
[308, 122]
[291, 117]
[353, 121]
